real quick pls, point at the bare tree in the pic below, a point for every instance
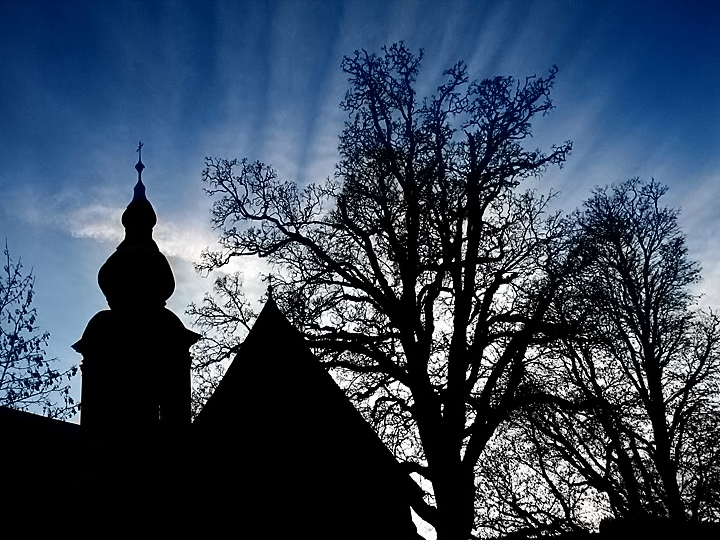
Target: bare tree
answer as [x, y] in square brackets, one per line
[528, 489]
[421, 274]
[637, 384]
[224, 324]
[27, 380]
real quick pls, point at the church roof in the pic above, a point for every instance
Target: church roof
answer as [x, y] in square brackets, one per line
[291, 433]
[277, 448]
[39, 459]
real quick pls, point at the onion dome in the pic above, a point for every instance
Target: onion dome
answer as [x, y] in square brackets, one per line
[137, 275]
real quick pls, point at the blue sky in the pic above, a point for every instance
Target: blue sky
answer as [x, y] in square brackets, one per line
[81, 82]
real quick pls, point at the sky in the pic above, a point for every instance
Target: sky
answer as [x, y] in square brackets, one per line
[638, 92]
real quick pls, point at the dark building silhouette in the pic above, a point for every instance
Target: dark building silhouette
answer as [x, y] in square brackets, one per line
[308, 462]
[137, 332]
[277, 452]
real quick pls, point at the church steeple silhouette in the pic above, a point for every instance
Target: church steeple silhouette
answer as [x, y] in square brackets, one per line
[137, 274]
[136, 361]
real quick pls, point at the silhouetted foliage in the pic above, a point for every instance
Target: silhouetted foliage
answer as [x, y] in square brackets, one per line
[524, 491]
[27, 380]
[635, 421]
[223, 326]
[421, 274]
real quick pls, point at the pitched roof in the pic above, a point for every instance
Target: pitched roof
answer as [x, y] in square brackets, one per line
[293, 439]
[39, 459]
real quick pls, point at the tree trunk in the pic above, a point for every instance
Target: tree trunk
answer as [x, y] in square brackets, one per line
[455, 500]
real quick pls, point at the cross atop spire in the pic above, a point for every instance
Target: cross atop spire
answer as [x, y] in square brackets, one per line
[139, 166]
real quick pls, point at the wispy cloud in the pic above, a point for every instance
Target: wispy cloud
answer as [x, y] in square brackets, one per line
[95, 221]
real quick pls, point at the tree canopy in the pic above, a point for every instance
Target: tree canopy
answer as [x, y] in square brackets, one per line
[420, 273]
[641, 374]
[494, 346]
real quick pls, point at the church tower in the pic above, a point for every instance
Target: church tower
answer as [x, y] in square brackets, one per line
[136, 360]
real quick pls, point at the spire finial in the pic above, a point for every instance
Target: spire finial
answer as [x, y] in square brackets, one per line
[270, 287]
[139, 166]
